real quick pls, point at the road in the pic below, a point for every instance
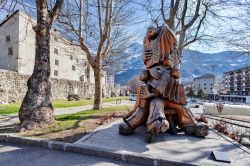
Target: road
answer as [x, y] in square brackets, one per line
[18, 155]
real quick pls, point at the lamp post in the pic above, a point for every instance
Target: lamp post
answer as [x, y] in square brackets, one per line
[213, 89]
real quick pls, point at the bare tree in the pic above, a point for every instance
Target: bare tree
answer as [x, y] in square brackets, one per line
[132, 84]
[186, 18]
[36, 109]
[98, 27]
[8, 6]
[237, 35]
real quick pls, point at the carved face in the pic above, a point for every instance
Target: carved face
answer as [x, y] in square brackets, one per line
[152, 33]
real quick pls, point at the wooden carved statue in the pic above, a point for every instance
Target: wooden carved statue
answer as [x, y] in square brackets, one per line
[161, 99]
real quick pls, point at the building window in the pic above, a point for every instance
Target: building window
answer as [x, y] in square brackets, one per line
[82, 78]
[10, 51]
[55, 38]
[8, 38]
[205, 84]
[73, 67]
[88, 72]
[77, 60]
[55, 50]
[71, 57]
[55, 72]
[56, 62]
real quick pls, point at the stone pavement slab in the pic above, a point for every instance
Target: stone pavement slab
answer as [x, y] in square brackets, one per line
[180, 148]
[19, 155]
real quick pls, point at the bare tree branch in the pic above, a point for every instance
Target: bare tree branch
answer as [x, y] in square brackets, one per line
[56, 10]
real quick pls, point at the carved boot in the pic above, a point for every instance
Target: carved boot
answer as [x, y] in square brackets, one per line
[157, 122]
[134, 121]
[125, 129]
[200, 130]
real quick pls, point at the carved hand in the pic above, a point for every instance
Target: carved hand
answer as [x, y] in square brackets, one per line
[144, 76]
[144, 92]
[168, 63]
[176, 74]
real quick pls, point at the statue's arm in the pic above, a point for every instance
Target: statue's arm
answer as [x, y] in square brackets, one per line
[144, 75]
[175, 72]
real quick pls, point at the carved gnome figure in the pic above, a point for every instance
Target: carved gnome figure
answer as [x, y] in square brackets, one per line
[160, 91]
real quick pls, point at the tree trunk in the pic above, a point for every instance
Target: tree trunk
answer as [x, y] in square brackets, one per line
[36, 110]
[179, 56]
[98, 89]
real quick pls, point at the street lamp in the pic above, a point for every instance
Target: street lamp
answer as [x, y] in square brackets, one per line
[213, 88]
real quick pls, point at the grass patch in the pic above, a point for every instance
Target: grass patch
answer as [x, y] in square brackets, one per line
[105, 100]
[10, 108]
[14, 107]
[71, 127]
[67, 104]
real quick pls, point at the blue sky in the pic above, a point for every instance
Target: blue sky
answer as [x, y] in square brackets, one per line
[215, 28]
[138, 27]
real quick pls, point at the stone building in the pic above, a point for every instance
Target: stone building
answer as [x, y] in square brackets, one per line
[70, 70]
[206, 83]
[17, 45]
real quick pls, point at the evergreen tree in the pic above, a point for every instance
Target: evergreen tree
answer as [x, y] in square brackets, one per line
[200, 93]
[190, 92]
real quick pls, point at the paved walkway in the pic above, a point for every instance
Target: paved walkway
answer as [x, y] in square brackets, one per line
[10, 119]
[181, 148]
[18, 155]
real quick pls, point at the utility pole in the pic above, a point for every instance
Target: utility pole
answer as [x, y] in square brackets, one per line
[213, 89]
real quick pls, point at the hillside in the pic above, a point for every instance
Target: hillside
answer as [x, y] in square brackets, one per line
[194, 63]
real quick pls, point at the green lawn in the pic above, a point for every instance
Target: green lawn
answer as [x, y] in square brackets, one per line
[9, 108]
[70, 127]
[14, 107]
[69, 120]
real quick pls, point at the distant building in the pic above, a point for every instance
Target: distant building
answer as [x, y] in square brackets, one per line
[237, 82]
[17, 45]
[206, 83]
[236, 85]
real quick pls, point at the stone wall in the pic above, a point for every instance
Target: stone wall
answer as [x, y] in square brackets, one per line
[13, 87]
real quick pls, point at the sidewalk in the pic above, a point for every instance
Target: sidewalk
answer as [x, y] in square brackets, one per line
[10, 119]
[173, 148]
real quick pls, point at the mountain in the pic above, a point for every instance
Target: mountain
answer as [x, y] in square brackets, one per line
[194, 63]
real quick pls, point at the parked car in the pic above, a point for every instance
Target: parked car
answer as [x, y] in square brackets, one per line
[132, 97]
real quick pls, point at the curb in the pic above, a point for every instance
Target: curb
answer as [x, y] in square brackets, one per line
[140, 159]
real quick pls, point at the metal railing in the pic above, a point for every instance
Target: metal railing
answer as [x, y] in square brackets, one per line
[237, 129]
